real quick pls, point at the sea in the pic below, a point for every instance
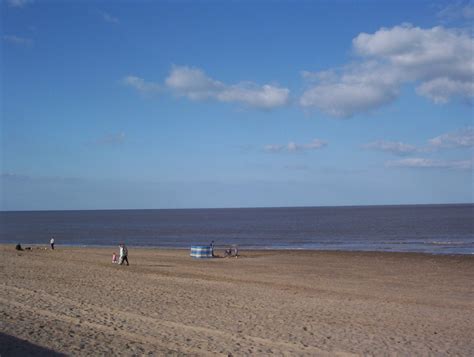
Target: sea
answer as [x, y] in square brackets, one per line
[434, 229]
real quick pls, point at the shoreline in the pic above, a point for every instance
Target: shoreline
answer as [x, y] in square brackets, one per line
[306, 303]
[241, 249]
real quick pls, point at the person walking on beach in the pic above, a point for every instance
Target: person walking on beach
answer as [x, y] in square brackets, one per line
[123, 254]
[51, 242]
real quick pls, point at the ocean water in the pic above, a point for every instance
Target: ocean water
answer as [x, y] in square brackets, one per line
[438, 229]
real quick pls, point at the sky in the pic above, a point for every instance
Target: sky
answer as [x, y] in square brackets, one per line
[210, 104]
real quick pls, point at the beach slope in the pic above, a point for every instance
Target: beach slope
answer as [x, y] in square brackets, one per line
[75, 301]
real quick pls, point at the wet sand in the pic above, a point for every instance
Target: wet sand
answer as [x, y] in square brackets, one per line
[74, 301]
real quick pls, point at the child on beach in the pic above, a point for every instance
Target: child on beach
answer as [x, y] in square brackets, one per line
[114, 257]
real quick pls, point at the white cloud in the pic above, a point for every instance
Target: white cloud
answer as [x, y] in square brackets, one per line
[357, 89]
[315, 144]
[19, 41]
[438, 59]
[264, 97]
[463, 138]
[429, 163]
[294, 147]
[397, 148]
[440, 90]
[18, 3]
[424, 53]
[140, 84]
[109, 18]
[194, 84]
[273, 147]
[437, 56]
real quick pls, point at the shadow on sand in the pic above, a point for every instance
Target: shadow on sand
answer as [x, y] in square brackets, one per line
[13, 346]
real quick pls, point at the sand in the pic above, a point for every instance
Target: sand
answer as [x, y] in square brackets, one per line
[74, 301]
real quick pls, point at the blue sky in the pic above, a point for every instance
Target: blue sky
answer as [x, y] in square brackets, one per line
[116, 105]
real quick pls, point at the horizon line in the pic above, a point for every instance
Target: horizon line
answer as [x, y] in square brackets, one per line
[241, 208]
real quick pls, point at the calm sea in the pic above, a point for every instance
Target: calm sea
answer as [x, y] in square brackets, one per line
[439, 229]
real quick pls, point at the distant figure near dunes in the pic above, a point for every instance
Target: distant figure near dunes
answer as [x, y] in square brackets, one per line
[52, 243]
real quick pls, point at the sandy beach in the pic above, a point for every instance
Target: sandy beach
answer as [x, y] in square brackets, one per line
[74, 301]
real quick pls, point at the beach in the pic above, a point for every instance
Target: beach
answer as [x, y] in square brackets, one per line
[74, 301]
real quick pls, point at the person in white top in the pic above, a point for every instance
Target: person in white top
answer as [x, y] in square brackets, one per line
[52, 243]
[123, 254]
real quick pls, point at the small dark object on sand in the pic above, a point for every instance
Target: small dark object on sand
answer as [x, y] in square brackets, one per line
[18, 247]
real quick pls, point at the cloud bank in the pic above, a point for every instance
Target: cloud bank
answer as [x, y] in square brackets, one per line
[459, 139]
[194, 84]
[397, 148]
[462, 138]
[429, 163]
[438, 60]
[294, 147]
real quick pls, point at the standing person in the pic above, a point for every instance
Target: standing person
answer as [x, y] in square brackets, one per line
[212, 248]
[52, 243]
[123, 254]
